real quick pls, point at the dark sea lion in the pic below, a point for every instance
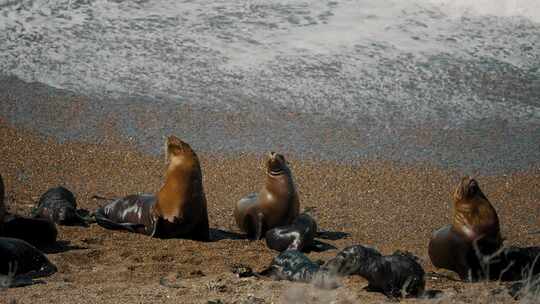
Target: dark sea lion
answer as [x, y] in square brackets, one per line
[59, 205]
[391, 274]
[20, 262]
[515, 263]
[36, 231]
[277, 203]
[296, 236]
[474, 232]
[178, 210]
[291, 265]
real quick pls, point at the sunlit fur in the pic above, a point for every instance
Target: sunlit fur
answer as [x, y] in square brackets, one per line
[276, 204]
[182, 194]
[474, 216]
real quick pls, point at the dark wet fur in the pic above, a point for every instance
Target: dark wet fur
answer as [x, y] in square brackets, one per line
[297, 236]
[114, 216]
[529, 287]
[387, 274]
[450, 250]
[515, 263]
[291, 265]
[60, 206]
[36, 231]
[21, 262]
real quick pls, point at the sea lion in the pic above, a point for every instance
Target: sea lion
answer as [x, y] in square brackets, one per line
[20, 262]
[291, 265]
[391, 274]
[515, 263]
[275, 205]
[526, 290]
[474, 232]
[178, 210]
[36, 231]
[59, 205]
[297, 236]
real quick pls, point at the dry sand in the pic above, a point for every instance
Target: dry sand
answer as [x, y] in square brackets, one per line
[384, 204]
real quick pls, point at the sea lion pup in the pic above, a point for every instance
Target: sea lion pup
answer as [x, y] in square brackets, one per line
[275, 205]
[59, 205]
[178, 210]
[36, 231]
[291, 265]
[515, 263]
[297, 236]
[391, 274]
[20, 262]
[474, 232]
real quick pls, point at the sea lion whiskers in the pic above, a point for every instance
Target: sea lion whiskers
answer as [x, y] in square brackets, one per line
[276, 164]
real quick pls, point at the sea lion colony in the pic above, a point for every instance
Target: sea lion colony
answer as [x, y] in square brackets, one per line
[178, 210]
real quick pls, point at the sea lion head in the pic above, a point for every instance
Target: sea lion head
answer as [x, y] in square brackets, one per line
[179, 152]
[276, 164]
[66, 216]
[474, 215]
[468, 189]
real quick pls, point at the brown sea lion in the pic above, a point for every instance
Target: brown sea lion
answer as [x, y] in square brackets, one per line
[178, 210]
[474, 232]
[275, 205]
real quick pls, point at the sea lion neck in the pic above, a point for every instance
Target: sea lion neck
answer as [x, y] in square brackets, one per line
[475, 217]
[180, 169]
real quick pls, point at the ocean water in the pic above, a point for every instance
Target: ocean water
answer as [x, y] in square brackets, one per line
[363, 74]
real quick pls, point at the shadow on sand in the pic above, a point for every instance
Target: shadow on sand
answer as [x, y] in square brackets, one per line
[220, 234]
[331, 235]
[59, 247]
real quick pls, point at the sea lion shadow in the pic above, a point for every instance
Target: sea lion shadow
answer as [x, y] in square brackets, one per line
[319, 246]
[60, 246]
[220, 234]
[332, 235]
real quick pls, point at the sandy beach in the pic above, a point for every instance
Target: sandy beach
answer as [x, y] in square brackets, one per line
[380, 107]
[385, 204]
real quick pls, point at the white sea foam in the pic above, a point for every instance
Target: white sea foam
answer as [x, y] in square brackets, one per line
[418, 59]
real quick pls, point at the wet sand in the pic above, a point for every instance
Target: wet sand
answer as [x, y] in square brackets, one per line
[386, 204]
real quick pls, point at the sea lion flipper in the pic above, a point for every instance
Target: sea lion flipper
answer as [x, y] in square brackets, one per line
[104, 222]
[201, 232]
[259, 226]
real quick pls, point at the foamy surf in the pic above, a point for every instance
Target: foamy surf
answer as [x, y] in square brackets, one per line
[421, 60]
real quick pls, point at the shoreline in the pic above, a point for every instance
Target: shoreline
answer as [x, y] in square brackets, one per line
[488, 146]
[389, 205]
